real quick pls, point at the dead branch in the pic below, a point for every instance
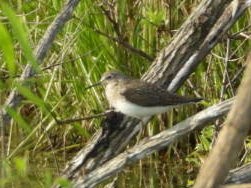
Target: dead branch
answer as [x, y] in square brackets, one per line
[126, 45]
[236, 186]
[224, 155]
[196, 37]
[72, 120]
[239, 175]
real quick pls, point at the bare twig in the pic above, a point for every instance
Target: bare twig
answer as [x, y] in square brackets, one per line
[111, 17]
[237, 75]
[126, 45]
[67, 121]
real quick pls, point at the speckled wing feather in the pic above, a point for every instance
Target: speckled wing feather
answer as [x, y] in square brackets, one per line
[146, 94]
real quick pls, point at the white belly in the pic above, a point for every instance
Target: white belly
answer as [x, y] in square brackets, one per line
[120, 104]
[137, 111]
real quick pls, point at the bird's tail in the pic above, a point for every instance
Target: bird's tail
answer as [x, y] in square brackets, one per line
[193, 100]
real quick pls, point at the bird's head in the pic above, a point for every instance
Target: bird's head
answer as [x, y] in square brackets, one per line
[109, 77]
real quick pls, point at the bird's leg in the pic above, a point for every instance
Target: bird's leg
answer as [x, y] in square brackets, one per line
[141, 122]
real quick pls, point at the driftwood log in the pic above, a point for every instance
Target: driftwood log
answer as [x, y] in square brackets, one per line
[101, 158]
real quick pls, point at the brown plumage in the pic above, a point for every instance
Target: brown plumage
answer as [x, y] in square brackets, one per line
[146, 94]
[137, 98]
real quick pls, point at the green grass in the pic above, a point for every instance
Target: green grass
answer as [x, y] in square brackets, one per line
[35, 147]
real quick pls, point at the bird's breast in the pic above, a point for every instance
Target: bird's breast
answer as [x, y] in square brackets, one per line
[112, 94]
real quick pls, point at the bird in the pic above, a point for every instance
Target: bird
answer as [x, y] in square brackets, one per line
[137, 98]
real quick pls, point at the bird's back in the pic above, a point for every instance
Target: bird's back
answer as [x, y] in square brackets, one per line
[147, 94]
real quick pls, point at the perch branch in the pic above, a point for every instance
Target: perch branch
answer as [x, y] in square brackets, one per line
[154, 143]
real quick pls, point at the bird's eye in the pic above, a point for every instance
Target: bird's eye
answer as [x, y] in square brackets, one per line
[109, 77]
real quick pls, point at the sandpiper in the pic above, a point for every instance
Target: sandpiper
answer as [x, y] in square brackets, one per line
[137, 98]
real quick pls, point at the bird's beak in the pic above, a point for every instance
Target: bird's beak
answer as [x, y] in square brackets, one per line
[93, 85]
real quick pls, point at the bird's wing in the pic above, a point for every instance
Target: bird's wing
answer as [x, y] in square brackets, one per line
[146, 94]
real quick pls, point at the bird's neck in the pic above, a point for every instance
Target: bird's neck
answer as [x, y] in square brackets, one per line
[114, 88]
[111, 92]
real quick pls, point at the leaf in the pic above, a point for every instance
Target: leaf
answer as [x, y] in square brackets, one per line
[8, 49]
[26, 92]
[18, 118]
[21, 166]
[20, 33]
[63, 182]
